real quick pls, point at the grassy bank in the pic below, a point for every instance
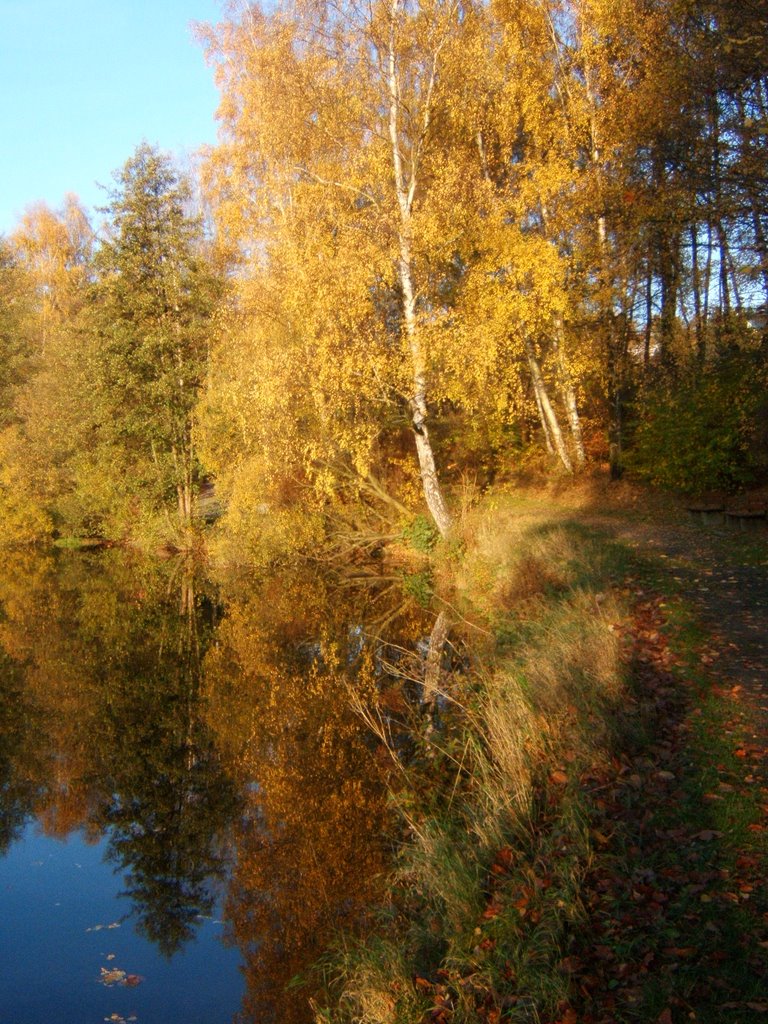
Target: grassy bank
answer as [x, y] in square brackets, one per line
[567, 852]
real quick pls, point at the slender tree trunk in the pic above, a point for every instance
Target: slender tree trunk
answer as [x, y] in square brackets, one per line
[187, 595]
[669, 287]
[708, 271]
[418, 401]
[405, 186]
[648, 315]
[667, 262]
[717, 195]
[761, 246]
[606, 278]
[615, 376]
[188, 481]
[569, 396]
[725, 293]
[701, 351]
[183, 472]
[567, 390]
[437, 639]
[544, 425]
[728, 283]
[732, 275]
[483, 155]
[669, 282]
[542, 398]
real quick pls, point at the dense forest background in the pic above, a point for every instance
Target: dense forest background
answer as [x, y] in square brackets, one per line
[438, 242]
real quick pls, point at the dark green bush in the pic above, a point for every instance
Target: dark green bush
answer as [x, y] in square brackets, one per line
[706, 431]
[421, 534]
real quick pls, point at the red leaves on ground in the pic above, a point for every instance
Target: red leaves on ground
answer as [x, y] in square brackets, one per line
[491, 911]
[569, 1017]
[504, 860]
[658, 909]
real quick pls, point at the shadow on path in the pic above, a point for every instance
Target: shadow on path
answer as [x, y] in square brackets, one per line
[724, 576]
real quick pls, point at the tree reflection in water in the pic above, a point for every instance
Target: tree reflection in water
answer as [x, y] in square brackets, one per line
[310, 853]
[111, 684]
[211, 754]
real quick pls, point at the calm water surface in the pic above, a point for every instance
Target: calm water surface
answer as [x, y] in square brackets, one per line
[188, 806]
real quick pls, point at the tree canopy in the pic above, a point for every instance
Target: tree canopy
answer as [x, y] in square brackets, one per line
[439, 237]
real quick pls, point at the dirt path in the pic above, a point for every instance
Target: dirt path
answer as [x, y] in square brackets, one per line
[725, 577]
[676, 894]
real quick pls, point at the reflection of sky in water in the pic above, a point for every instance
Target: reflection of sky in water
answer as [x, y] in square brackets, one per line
[53, 896]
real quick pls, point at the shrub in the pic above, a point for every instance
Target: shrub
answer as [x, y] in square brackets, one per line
[421, 534]
[703, 433]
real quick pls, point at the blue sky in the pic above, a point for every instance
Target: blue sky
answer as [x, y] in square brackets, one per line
[82, 82]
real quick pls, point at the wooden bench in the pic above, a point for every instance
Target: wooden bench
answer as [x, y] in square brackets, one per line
[708, 515]
[746, 519]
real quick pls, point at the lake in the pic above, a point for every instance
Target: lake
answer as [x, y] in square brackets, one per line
[191, 809]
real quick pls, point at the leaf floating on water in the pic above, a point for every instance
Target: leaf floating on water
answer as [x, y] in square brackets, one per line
[115, 1018]
[114, 976]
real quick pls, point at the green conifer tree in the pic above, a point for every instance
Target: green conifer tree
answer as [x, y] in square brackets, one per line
[156, 294]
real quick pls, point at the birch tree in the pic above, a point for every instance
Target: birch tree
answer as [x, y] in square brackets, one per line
[51, 255]
[329, 115]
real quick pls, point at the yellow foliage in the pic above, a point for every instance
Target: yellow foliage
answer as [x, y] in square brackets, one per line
[23, 518]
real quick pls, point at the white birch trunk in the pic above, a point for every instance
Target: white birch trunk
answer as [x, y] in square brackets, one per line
[405, 187]
[540, 390]
[437, 639]
[544, 425]
[569, 397]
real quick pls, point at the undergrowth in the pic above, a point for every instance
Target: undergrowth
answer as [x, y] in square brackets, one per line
[556, 804]
[496, 831]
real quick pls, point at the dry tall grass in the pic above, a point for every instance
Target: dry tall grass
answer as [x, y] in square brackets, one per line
[535, 714]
